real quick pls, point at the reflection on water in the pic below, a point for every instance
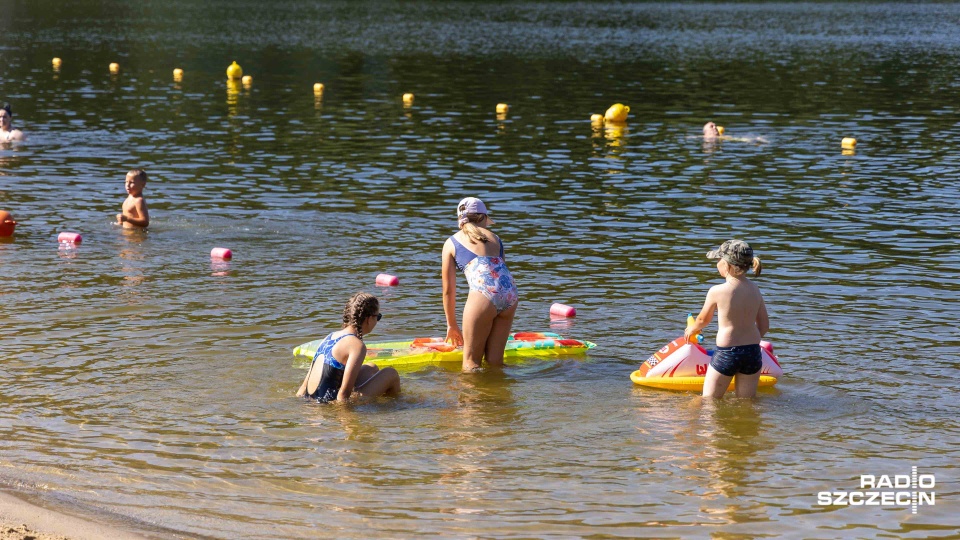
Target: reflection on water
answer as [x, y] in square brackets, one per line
[233, 96]
[140, 375]
[729, 434]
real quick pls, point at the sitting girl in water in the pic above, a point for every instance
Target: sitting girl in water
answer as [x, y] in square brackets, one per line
[742, 320]
[492, 300]
[341, 357]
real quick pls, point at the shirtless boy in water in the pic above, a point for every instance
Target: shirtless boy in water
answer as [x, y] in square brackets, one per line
[711, 131]
[742, 320]
[134, 210]
[7, 133]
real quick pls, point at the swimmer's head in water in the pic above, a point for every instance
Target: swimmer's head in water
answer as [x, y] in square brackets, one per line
[6, 114]
[710, 131]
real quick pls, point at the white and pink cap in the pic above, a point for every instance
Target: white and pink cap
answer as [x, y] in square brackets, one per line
[471, 205]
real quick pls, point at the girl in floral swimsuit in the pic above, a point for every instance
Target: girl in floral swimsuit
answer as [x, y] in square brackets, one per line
[492, 300]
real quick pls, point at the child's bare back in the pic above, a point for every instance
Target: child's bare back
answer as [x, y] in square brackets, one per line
[738, 302]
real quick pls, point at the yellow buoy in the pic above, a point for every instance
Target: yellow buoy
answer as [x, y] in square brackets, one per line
[247, 80]
[57, 62]
[177, 74]
[114, 67]
[408, 98]
[502, 108]
[318, 88]
[720, 130]
[234, 71]
[848, 143]
[617, 113]
[596, 119]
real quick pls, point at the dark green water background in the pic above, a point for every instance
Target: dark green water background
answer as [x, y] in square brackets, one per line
[140, 380]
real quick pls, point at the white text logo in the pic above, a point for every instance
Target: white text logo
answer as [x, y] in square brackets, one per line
[898, 490]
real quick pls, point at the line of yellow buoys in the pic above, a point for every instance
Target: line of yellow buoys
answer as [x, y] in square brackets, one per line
[615, 117]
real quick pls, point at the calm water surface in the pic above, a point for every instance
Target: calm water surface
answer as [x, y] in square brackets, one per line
[142, 381]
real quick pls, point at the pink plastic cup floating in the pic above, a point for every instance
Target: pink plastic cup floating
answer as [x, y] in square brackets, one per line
[563, 310]
[221, 253]
[387, 280]
[69, 238]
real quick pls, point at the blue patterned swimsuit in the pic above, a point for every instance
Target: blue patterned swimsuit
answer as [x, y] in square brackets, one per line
[331, 378]
[488, 275]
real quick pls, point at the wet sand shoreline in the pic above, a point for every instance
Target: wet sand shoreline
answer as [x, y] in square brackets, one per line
[21, 519]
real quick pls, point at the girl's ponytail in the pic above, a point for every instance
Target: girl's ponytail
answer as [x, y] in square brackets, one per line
[468, 224]
[757, 266]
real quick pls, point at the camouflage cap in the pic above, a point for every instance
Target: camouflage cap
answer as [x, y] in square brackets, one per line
[736, 252]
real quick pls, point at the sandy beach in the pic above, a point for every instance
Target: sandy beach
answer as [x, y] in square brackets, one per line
[22, 520]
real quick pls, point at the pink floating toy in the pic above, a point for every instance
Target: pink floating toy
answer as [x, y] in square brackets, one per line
[387, 280]
[766, 345]
[69, 238]
[221, 253]
[563, 310]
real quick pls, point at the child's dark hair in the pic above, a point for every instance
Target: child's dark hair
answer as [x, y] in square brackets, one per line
[139, 174]
[8, 108]
[360, 306]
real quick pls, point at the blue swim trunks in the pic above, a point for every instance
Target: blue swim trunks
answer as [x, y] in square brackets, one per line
[743, 359]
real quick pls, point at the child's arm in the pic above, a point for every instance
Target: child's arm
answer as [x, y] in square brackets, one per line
[351, 371]
[449, 274]
[704, 318]
[140, 205]
[763, 320]
[303, 387]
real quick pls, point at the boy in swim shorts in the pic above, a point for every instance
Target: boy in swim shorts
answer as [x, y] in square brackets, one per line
[741, 318]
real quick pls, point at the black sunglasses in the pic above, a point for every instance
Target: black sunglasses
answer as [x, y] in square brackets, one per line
[379, 316]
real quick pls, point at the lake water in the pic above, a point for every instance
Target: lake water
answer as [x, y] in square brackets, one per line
[146, 384]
